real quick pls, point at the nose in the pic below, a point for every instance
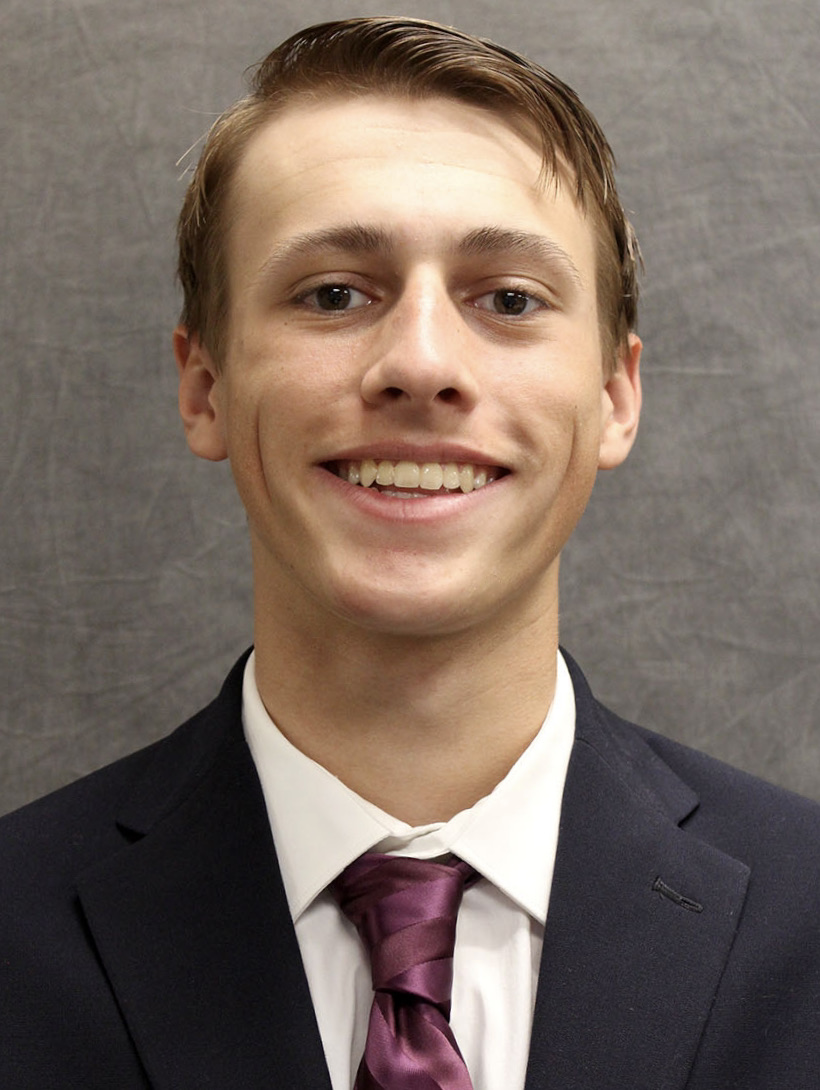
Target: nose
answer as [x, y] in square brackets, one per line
[420, 356]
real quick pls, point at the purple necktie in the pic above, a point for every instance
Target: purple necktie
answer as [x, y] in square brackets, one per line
[405, 912]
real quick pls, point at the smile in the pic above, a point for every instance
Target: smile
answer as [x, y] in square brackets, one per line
[415, 479]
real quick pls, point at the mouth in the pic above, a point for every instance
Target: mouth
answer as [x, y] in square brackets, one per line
[416, 480]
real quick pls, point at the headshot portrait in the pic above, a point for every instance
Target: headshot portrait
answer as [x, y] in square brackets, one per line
[410, 506]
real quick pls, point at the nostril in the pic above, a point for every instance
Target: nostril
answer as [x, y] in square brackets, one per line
[450, 393]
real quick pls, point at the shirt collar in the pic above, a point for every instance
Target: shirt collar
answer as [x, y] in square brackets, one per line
[320, 826]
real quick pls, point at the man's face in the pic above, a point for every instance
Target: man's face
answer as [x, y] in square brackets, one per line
[408, 301]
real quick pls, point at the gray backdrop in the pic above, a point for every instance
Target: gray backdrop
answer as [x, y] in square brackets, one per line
[691, 591]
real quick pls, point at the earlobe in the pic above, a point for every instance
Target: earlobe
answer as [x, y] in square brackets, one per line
[621, 406]
[198, 400]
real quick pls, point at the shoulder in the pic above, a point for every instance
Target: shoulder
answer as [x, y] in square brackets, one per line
[772, 832]
[59, 1010]
[772, 829]
[70, 827]
[58, 835]
[739, 811]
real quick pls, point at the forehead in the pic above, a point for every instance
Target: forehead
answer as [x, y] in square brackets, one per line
[425, 173]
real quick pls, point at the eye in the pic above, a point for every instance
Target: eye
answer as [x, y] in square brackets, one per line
[509, 302]
[334, 298]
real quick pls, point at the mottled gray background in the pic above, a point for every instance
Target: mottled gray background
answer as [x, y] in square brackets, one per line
[691, 592]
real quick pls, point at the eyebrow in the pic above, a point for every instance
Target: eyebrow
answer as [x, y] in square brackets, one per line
[500, 240]
[352, 238]
[359, 239]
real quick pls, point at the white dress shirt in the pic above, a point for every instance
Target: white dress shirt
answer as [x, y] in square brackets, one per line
[319, 826]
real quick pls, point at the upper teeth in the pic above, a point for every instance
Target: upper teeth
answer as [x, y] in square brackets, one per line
[429, 476]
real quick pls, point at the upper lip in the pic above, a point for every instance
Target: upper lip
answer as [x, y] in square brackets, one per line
[397, 451]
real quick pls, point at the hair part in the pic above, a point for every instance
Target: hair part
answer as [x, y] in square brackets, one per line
[416, 59]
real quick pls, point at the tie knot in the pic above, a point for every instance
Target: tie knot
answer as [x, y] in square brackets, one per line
[405, 911]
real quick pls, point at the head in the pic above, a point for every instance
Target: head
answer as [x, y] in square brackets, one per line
[413, 59]
[399, 257]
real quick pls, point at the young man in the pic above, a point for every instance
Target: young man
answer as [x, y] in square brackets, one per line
[409, 324]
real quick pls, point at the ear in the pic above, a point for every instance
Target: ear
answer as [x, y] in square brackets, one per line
[199, 389]
[621, 406]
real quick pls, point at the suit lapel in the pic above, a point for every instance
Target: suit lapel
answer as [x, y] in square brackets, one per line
[641, 920]
[192, 925]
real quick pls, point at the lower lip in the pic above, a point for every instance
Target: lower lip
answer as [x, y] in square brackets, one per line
[432, 508]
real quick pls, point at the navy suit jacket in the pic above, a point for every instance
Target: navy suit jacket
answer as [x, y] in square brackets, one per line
[145, 939]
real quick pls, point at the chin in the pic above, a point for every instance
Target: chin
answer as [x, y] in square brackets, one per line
[407, 612]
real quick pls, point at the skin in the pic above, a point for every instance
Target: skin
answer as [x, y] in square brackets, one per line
[379, 255]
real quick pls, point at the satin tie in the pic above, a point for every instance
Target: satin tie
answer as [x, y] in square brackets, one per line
[405, 911]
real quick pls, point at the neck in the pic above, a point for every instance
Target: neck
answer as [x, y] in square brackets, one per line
[421, 727]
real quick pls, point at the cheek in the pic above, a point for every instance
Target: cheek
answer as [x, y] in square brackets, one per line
[561, 418]
[288, 368]
[245, 418]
